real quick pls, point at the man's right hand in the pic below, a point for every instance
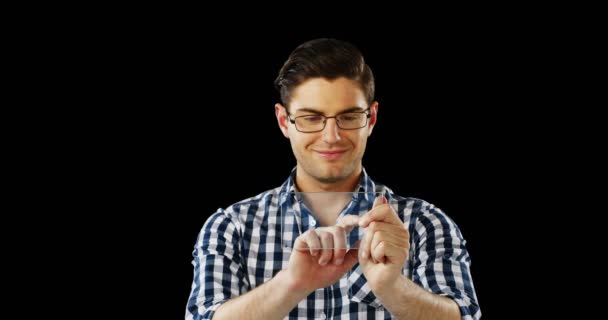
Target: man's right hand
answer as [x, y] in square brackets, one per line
[320, 256]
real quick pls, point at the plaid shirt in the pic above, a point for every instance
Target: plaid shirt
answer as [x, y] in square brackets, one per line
[242, 247]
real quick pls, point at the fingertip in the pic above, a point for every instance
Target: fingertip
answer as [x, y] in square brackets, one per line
[363, 254]
[363, 222]
[377, 201]
[378, 258]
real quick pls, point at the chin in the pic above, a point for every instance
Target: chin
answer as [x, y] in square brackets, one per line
[330, 179]
[332, 175]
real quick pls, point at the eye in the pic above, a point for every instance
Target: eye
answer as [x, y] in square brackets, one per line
[313, 119]
[350, 117]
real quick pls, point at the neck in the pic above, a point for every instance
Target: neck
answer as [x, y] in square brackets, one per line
[326, 206]
[305, 183]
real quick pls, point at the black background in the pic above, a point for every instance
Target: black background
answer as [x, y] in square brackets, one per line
[135, 122]
[191, 128]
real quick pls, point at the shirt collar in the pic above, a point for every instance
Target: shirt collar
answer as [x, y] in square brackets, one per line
[366, 184]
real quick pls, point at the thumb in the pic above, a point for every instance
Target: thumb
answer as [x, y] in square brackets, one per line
[379, 200]
[364, 221]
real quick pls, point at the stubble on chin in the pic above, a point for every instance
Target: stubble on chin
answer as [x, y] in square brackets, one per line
[330, 179]
[331, 176]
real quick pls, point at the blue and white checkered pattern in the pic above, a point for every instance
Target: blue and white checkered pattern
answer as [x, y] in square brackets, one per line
[243, 246]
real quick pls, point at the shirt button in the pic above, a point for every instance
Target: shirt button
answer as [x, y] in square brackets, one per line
[313, 223]
[322, 316]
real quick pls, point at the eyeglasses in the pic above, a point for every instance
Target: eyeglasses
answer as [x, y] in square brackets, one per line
[346, 121]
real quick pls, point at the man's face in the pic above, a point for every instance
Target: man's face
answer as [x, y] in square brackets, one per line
[333, 154]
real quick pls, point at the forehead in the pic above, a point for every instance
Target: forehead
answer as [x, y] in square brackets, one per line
[327, 96]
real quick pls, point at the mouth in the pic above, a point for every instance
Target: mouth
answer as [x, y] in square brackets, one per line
[330, 154]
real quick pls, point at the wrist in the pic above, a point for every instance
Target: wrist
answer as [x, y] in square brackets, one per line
[292, 285]
[395, 287]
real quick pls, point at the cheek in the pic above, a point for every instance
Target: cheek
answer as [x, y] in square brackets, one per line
[359, 140]
[364, 134]
[299, 140]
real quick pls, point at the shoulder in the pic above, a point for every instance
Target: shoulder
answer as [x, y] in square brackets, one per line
[256, 202]
[430, 221]
[239, 212]
[421, 213]
[414, 207]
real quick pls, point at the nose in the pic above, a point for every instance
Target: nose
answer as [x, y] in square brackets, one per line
[331, 132]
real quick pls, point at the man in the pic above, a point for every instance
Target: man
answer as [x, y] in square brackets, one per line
[412, 262]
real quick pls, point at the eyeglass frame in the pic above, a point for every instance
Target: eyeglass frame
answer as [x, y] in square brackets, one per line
[367, 112]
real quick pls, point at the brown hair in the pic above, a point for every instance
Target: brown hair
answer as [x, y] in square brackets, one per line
[324, 58]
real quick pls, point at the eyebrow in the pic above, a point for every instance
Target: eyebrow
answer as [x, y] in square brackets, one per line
[312, 110]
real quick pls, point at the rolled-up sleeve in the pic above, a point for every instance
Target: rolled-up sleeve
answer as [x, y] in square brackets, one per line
[443, 263]
[218, 271]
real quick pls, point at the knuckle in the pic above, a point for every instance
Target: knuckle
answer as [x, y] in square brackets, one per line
[382, 245]
[373, 225]
[326, 236]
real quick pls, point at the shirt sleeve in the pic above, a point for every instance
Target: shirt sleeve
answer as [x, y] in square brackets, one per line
[218, 270]
[442, 263]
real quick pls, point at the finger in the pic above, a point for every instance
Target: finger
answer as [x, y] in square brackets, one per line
[380, 213]
[348, 222]
[364, 246]
[308, 241]
[382, 236]
[379, 200]
[327, 242]
[397, 235]
[378, 232]
[380, 241]
[300, 244]
[368, 236]
[363, 254]
[313, 241]
[339, 245]
[387, 252]
[378, 253]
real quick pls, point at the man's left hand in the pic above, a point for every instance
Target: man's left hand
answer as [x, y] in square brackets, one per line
[385, 246]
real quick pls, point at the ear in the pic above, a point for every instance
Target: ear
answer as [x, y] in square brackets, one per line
[281, 112]
[373, 109]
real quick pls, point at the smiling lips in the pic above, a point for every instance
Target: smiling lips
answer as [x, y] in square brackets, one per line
[330, 154]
